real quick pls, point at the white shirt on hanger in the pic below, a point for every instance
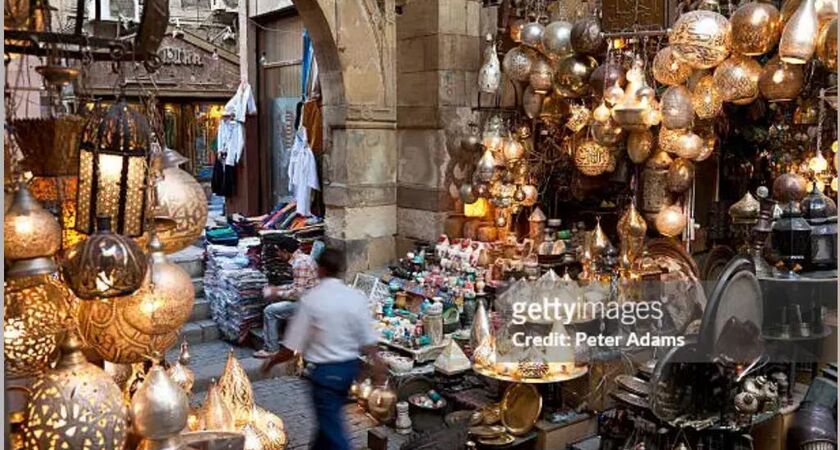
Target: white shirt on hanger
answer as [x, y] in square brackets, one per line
[231, 136]
[303, 173]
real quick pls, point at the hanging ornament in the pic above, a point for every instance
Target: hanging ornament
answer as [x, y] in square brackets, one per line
[158, 409]
[605, 76]
[180, 199]
[512, 150]
[571, 78]
[630, 112]
[466, 194]
[701, 38]
[556, 40]
[614, 94]
[29, 231]
[689, 146]
[490, 74]
[602, 113]
[781, 82]
[586, 36]
[669, 140]
[652, 116]
[579, 118]
[677, 111]
[518, 62]
[756, 28]
[75, 406]
[235, 388]
[592, 158]
[706, 100]
[736, 79]
[680, 175]
[471, 141]
[668, 69]
[486, 166]
[654, 175]
[799, 38]
[541, 75]
[532, 34]
[631, 229]
[827, 45]
[181, 374]
[607, 133]
[639, 145]
[671, 221]
[216, 414]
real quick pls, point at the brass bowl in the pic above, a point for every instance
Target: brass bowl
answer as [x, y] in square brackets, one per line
[58, 75]
[631, 119]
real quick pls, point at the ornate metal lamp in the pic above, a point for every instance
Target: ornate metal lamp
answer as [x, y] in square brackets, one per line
[181, 199]
[821, 213]
[29, 231]
[113, 170]
[791, 237]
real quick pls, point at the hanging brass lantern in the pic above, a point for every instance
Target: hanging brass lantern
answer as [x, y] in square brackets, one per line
[639, 145]
[29, 231]
[490, 74]
[701, 38]
[607, 133]
[216, 414]
[113, 170]
[75, 406]
[706, 100]
[516, 29]
[541, 75]
[608, 75]
[668, 69]
[630, 112]
[37, 309]
[789, 187]
[799, 38]
[756, 28]
[165, 302]
[158, 409]
[671, 221]
[736, 79]
[669, 140]
[235, 389]
[827, 45]
[181, 199]
[105, 328]
[271, 426]
[654, 176]
[486, 166]
[556, 40]
[517, 63]
[632, 229]
[586, 36]
[591, 158]
[676, 108]
[571, 77]
[105, 265]
[781, 82]
[680, 175]
[689, 146]
[532, 34]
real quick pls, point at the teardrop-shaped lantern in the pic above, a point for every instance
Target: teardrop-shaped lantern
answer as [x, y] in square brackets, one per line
[490, 74]
[235, 388]
[780, 81]
[159, 408]
[756, 28]
[799, 38]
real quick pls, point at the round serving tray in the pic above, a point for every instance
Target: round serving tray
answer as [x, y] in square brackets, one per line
[575, 374]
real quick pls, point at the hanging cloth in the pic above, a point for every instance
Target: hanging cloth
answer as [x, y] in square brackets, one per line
[303, 173]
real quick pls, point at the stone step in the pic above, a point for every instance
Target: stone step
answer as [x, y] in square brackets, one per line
[191, 259]
[200, 331]
[201, 310]
[207, 361]
[198, 286]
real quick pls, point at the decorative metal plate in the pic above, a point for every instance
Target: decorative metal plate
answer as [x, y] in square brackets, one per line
[504, 439]
[716, 261]
[487, 431]
[634, 385]
[521, 407]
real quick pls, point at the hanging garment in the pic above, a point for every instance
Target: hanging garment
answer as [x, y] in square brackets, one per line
[232, 126]
[303, 173]
[313, 120]
[217, 183]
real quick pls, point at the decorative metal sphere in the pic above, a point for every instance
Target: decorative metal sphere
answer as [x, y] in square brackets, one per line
[827, 45]
[586, 37]
[75, 406]
[159, 408]
[571, 78]
[736, 79]
[677, 111]
[591, 158]
[182, 200]
[605, 76]
[799, 37]
[789, 187]
[670, 221]
[706, 100]
[701, 38]
[105, 265]
[541, 75]
[680, 175]
[668, 69]
[669, 139]
[689, 146]
[640, 145]
[235, 389]
[607, 133]
[532, 34]
[556, 40]
[756, 28]
[781, 82]
[29, 231]
[518, 62]
[105, 328]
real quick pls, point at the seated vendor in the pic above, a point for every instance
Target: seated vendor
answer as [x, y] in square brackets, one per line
[305, 273]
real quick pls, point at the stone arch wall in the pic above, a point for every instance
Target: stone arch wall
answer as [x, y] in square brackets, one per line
[354, 42]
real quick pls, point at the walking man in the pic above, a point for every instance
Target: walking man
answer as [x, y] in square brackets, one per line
[332, 327]
[305, 273]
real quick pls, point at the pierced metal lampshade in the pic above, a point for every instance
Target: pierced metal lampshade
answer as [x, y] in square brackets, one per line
[677, 110]
[756, 28]
[235, 388]
[271, 426]
[105, 265]
[706, 99]
[799, 38]
[113, 170]
[591, 158]
[76, 406]
[182, 200]
[668, 69]
[29, 231]
[158, 409]
[827, 45]
[701, 38]
[571, 77]
[781, 82]
[517, 63]
[736, 79]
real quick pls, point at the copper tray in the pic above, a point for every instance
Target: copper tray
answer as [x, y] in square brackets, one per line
[487, 431]
[521, 407]
[633, 385]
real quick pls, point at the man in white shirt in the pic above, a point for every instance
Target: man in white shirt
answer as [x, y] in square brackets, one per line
[331, 329]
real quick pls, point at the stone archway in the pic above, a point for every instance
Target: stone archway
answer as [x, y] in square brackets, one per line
[354, 42]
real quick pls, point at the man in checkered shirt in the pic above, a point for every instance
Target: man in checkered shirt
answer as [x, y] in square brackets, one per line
[305, 272]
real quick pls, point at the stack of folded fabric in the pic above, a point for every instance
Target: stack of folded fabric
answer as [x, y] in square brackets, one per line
[233, 285]
[221, 236]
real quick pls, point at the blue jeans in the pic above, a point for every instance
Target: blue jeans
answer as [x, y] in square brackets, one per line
[273, 314]
[330, 384]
